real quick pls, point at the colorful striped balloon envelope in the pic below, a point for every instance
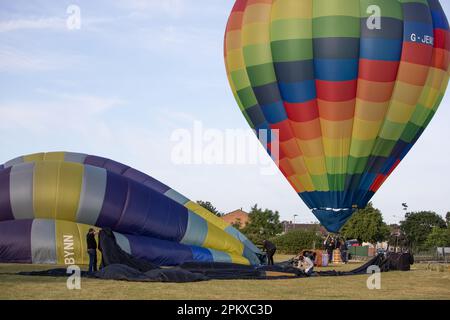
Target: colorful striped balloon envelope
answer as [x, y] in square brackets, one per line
[346, 87]
[46, 198]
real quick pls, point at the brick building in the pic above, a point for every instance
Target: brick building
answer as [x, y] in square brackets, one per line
[237, 217]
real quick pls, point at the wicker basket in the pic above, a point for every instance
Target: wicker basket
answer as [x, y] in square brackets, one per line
[337, 256]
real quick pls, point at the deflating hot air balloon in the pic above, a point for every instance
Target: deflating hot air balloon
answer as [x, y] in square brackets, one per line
[47, 197]
[49, 241]
[350, 85]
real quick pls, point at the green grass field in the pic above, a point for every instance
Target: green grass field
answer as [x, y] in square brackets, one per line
[419, 283]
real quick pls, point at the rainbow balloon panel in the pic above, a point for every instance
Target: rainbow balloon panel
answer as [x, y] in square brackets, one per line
[79, 189]
[350, 85]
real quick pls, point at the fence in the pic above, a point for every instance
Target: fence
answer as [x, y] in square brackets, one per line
[435, 254]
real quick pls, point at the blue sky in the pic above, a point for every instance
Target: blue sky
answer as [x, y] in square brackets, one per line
[138, 70]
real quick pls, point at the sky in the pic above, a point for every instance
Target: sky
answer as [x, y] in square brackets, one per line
[137, 75]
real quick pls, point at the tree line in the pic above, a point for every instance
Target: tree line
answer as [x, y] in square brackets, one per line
[418, 231]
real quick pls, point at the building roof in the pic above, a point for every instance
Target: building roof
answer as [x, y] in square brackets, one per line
[237, 216]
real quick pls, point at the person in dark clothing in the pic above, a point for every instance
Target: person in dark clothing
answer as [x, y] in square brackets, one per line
[330, 248]
[344, 250]
[92, 250]
[270, 249]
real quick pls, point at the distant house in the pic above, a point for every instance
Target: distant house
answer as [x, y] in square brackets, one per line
[237, 217]
[396, 242]
[289, 226]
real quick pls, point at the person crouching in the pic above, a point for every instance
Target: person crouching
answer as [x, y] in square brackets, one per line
[306, 265]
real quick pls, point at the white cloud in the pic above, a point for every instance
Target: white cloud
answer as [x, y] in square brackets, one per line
[82, 123]
[172, 8]
[81, 114]
[56, 23]
[93, 105]
[32, 24]
[182, 42]
[15, 60]
[174, 119]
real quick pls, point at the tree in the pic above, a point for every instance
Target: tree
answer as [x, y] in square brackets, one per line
[237, 224]
[262, 224]
[417, 226]
[447, 219]
[209, 206]
[439, 237]
[366, 225]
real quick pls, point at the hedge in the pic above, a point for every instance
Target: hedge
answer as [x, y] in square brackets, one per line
[295, 241]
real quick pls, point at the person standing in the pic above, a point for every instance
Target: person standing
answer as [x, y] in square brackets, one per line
[344, 251]
[327, 246]
[270, 250]
[92, 250]
[330, 248]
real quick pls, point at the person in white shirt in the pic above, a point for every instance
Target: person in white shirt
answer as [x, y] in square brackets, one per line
[306, 264]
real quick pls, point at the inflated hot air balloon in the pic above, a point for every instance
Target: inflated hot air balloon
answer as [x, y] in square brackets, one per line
[48, 198]
[350, 85]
